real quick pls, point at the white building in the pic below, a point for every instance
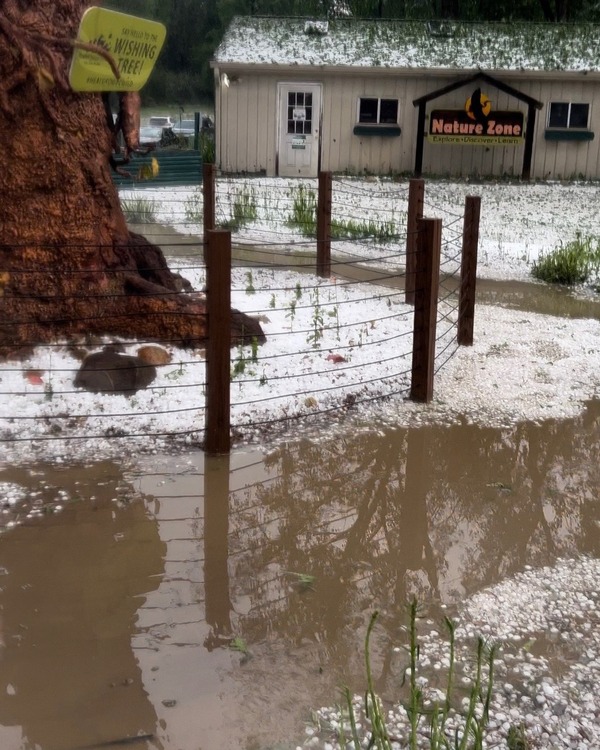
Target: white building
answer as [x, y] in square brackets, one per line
[294, 97]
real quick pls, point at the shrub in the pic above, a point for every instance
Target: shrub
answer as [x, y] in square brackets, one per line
[570, 263]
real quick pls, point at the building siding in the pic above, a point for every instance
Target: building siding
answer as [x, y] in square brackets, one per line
[247, 127]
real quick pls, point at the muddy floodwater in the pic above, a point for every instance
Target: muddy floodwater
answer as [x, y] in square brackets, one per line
[211, 603]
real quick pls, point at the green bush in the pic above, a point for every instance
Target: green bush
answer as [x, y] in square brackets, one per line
[570, 263]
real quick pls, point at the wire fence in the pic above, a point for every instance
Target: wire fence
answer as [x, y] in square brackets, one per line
[334, 341]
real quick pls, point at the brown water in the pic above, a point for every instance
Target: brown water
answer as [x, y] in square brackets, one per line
[118, 611]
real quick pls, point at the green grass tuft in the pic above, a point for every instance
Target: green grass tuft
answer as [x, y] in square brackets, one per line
[570, 263]
[138, 210]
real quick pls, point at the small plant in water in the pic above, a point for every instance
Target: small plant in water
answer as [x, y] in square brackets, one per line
[474, 719]
[304, 581]
[240, 645]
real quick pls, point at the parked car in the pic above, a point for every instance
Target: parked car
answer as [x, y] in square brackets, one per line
[158, 137]
[160, 121]
[187, 127]
[150, 135]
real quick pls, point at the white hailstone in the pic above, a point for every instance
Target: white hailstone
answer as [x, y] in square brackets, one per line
[540, 699]
[548, 689]
[508, 688]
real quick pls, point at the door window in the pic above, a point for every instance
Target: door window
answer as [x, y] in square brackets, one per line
[299, 113]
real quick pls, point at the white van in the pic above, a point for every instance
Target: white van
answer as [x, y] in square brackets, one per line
[160, 121]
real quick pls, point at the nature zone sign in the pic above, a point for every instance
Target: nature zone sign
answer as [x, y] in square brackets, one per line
[476, 124]
[133, 43]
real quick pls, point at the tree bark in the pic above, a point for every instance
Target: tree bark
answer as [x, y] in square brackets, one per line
[69, 266]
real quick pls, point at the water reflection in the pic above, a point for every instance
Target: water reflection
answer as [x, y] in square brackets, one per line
[120, 619]
[300, 549]
[71, 585]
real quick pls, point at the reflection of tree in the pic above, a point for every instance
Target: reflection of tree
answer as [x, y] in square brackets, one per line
[438, 511]
[69, 600]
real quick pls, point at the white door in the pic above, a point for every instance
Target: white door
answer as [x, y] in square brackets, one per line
[299, 127]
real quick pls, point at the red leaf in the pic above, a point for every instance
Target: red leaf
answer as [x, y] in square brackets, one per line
[33, 377]
[336, 358]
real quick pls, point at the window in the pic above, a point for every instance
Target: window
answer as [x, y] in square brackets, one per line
[373, 111]
[299, 113]
[568, 115]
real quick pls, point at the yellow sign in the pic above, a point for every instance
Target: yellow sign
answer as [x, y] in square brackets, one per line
[133, 43]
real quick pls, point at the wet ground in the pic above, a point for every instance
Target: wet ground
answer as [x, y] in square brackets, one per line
[211, 603]
[122, 596]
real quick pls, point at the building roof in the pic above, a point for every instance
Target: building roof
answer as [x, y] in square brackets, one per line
[441, 45]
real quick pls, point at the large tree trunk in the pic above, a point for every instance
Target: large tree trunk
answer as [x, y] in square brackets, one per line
[69, 266]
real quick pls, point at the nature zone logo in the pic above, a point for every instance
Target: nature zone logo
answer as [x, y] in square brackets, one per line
[476, 124]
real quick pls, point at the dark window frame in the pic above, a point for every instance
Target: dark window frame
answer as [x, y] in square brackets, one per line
[565, 123]
[361, 120]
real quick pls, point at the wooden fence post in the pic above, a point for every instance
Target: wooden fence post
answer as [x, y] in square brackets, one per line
[324, 225]
[468, 271]
[218, 348]
[416, 198]
[208, 195]
[429, 243]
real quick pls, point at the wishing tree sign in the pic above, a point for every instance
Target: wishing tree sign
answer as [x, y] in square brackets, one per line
[134, 44]
[70, 267]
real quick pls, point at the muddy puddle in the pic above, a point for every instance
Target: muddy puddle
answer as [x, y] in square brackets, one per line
[211, 603]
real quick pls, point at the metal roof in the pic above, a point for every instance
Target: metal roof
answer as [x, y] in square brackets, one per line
[411, 44]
